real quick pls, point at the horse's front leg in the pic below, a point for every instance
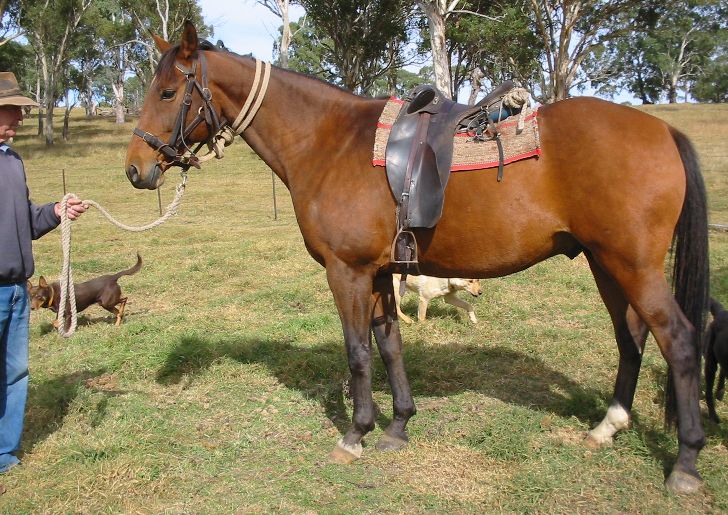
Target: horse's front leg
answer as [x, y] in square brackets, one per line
[389, 340]
[352, 290]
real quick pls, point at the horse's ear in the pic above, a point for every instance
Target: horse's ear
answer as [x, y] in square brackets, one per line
[188, 45]
[162, 45]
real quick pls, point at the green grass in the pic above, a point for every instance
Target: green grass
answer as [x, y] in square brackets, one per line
[222, 391]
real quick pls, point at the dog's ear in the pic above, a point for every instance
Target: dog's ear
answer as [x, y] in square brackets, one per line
[42, 282]
[29, 285]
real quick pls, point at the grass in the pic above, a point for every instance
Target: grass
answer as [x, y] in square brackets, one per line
[222, 391]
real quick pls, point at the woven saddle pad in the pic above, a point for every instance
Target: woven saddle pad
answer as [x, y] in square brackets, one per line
[519, 135]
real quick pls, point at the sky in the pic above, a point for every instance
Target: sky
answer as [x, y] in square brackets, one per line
[244, 25]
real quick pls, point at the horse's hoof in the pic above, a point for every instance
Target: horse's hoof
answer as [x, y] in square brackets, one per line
[390, 443]
[343, 454]
[683, 483]
[593, 442]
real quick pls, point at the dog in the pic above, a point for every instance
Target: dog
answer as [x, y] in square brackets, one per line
[104, 291]
[716, 355]
[429, 288]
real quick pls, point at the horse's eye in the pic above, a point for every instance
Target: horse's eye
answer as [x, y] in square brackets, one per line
[168, 94]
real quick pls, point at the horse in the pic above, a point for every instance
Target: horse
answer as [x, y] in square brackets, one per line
[616, 184]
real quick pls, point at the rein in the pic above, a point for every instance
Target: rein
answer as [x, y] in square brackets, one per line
[176, 151]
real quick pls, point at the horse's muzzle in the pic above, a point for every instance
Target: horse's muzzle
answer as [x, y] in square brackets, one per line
[152, 181]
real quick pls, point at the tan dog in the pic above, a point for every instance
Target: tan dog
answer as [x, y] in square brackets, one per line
[429, 288]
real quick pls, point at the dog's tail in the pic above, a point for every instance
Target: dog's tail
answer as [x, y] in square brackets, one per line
[132, 270]
[715, 307]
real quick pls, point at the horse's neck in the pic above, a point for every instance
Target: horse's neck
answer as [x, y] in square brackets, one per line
[303, 125]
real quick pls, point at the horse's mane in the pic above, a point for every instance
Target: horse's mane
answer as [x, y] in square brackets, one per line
[165, 68]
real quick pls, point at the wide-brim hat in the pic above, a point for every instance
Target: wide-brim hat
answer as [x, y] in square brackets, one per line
[10, 94]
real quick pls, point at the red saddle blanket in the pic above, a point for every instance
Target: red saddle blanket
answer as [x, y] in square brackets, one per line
[519, 135]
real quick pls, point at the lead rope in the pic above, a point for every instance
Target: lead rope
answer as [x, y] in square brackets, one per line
[68, 293]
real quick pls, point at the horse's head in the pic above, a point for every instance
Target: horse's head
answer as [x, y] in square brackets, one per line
[178, 112]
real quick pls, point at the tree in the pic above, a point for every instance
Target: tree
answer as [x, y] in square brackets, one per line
[357, 35]
[281, 9]
[437, 13]
[674, 45]
[51, 29]
[116, 32]
[475, 47]
[712, 84]
[571, 31]
[164, 18]
[9, 14]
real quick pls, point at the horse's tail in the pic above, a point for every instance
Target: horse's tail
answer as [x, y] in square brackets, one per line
[690, 276]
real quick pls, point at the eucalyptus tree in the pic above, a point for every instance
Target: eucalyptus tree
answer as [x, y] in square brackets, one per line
[115, 31]
[488, 41]
[357, 37]
[9, 14]
[573, 31]
[281, 8]
[673, 46]
[164, 18]
[51, 29]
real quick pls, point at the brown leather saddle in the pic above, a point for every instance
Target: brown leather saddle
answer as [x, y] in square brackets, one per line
[419, 155]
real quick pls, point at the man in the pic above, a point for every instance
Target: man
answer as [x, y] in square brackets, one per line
[20, 222]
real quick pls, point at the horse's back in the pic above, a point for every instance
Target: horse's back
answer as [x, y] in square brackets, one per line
[605, 170]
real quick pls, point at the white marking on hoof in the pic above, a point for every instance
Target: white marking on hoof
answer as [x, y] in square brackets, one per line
[354, 450]
[616, 419]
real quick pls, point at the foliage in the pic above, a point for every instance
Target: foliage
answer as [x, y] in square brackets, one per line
[475, 39]
[357, 37]
[19, 59]
[674, 45]
[573, 32]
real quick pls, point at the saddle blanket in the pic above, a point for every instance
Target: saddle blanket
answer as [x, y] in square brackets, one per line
[468, 153]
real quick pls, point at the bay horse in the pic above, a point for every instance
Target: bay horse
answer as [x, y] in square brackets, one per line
[612, 182]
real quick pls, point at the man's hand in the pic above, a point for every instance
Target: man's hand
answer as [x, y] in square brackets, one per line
[74, 208]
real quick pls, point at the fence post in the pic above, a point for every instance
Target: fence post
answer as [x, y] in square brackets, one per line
[275, 206]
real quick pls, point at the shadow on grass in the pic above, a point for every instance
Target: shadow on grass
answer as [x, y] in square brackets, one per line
[320, 372]
[49, 402]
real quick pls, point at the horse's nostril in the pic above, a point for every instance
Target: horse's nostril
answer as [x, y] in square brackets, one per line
[132, 174]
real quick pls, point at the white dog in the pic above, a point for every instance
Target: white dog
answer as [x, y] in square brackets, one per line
[429, 288]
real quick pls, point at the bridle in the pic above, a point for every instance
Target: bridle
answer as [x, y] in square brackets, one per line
[176, 151]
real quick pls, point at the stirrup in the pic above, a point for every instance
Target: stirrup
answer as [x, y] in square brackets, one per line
[404, 248]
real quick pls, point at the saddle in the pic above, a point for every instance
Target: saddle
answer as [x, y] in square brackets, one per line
[419, 155]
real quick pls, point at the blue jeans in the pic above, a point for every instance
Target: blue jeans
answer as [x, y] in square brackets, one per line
[14, 318]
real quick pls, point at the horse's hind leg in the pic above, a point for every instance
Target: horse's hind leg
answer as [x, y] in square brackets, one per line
[630, 333]
[389, 340]
[648, 293]
[352, 290]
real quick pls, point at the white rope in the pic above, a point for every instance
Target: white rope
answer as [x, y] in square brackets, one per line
[68, 293]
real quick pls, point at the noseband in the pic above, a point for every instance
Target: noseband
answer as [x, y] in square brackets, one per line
[221, 133]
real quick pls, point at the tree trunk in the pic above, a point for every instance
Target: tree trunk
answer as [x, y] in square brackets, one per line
[440, 63]
[66, 118]
[49, 123]
[286, 35]
[476, 84]
[119, 101]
